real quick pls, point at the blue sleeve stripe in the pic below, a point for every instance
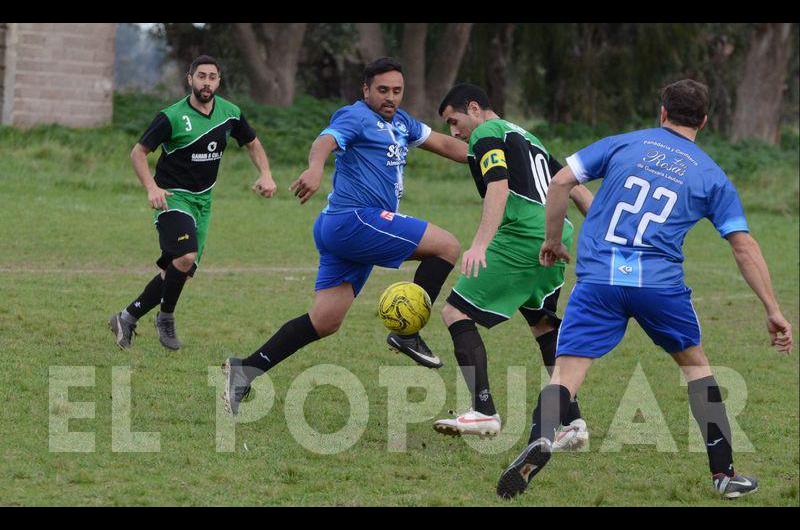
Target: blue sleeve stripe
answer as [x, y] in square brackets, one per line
[737, 224]
[337, 136]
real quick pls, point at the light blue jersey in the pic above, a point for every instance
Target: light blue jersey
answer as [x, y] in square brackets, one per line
[370, 157]
[657, 185]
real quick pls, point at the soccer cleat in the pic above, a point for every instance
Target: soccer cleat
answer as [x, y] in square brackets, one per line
[237, 383]
[735, 486]
[515, 479]
[123, 330]
[572, 437]
[471, 422]
[414, 347]
[166, 332]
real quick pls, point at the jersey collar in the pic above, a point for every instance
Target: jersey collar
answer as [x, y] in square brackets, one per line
[207, 116]
[676, 133]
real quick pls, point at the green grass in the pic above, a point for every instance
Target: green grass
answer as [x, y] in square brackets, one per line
[78, 244]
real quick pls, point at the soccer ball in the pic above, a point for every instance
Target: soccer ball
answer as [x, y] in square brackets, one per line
[404, 308]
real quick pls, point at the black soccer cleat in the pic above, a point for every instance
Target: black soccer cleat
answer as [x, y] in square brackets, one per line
[414, 347]
[123, 331]
[237, 383]
[735, 486]
[515, 479]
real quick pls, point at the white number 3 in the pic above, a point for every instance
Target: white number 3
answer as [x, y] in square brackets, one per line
[188, 123]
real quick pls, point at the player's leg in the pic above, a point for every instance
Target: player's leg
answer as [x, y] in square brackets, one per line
[594, 322]
[482, 419]
[181, 236]
[544, 325]
[673, 325]
[338, 283]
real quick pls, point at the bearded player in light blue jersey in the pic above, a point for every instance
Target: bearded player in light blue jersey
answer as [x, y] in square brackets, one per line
[656, 185]
[360, 226]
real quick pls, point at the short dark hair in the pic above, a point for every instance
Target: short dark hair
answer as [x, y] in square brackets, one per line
[461, 95]
[203, 59]
[686, 102]
[381, 66]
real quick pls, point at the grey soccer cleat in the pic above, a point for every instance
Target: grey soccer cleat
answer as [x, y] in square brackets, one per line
[166, 332]
[123, 330]
[237, 383]
[735, 486]
[414, 347]
[515, 479]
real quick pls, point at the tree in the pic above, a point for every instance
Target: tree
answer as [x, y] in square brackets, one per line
[498, 65]
[271, 52]
[759, 94]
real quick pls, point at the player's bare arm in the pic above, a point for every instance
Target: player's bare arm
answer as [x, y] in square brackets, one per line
[582, 198]
[558, 194]
[753, 267]
[309, 181]
[265, 185]
[446, 146]
[156, 196]
[494, 204]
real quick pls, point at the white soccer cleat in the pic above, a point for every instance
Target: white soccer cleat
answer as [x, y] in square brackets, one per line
[572, 437]
[471, 422]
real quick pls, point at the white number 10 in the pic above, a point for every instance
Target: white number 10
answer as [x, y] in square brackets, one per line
[644, 188]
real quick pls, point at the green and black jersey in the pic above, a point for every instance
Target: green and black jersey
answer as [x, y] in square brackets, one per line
[192, 143]
[498, 150]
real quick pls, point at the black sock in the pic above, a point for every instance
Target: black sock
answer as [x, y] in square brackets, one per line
[174, 280]
[471, 356]
[431, 274]
[150, 297]
[547, 344]
[550, 412]
[708, 410]
[292, 336]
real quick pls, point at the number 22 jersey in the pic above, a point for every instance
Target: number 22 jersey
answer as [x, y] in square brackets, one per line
[657, 185]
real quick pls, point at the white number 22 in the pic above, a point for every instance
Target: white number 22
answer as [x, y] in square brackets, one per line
[644, 189]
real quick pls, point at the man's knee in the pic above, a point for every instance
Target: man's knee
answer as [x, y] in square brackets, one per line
[451, 249]
[184, 263]
[326, 326]
[544, 326]
[450, 314]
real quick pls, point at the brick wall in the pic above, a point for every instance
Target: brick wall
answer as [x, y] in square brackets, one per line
[61, 73]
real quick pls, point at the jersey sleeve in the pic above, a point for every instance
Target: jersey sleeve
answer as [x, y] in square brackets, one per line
[159, 132]
[345, 126]
[725, 210]
[591, 162]
[418, 132]
[242, 131]
[491, 157]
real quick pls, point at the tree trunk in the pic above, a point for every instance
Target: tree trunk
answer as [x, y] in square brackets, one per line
[445, 65]
[497, 67]
[413, 58]
[370, 45]
[760, 92]
[271, 57]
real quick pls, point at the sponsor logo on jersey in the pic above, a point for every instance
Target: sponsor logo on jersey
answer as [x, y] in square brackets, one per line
[206, 157]
[387, 215]
[493, 158]
[396, 155]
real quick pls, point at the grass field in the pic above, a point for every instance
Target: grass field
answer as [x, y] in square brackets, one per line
[77, 243]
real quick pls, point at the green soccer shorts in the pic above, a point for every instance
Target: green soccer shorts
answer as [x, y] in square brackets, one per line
[512, 280]
[183, 226]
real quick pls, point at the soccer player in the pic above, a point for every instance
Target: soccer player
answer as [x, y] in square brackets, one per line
[193, 134]
[500, 273]
[360, 226]
[657, 185]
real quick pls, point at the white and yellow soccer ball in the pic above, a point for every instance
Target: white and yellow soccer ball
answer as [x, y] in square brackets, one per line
[404, 307]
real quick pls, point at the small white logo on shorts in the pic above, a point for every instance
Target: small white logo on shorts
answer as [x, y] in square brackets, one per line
[625, 269]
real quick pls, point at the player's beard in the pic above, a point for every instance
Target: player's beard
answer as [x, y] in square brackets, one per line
[200, 97]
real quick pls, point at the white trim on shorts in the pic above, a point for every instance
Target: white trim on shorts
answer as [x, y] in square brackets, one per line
[382, 232]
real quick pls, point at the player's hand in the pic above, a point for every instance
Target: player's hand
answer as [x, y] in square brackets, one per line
[265, 186]
[472, 260]
[780, 332]
[307, 184]
[551, 252]
[157, 198]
